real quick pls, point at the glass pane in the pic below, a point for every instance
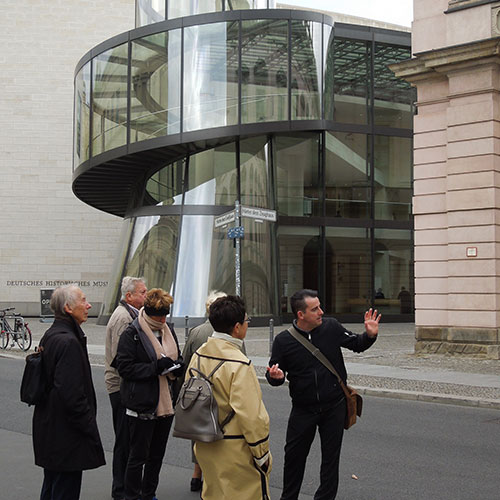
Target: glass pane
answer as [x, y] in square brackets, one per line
[348, 270]
[297, 174]
[153, 250]
[347, 170]
[113, 291]
[394, 98]
[264, 68]
[109, 105]
[257, 268]
[306, 70]
[247, 4]
[210, 76]
[165, 187]
[212, 177]
[156, 82]
[149, 12]
[181, 8]
[350, 60]
[328, 71]
[82, 116]
[393, 177]
[194, 269]
[299, 250]
[394, 283]
[254, 168]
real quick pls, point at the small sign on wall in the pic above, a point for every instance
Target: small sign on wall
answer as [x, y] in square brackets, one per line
[471, 251]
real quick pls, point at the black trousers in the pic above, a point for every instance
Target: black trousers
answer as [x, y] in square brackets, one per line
[300, 434]
[61, 485]
[148, 441]
[121, 447]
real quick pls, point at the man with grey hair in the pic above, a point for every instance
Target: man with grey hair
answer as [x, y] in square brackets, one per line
[196, 338]
[66, 440]
[133, 295]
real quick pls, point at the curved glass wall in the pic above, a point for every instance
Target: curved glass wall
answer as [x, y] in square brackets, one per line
[236, 73]
[153, 11]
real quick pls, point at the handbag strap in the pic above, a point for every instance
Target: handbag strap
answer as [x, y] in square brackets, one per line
[318, 355]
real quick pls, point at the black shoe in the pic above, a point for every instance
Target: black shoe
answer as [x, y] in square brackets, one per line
[196, 484]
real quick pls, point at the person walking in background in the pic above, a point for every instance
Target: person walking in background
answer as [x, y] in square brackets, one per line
[66, 440]
[196, 338]
[318, 400]
[149, 360]
[238, 466]
[133, 292]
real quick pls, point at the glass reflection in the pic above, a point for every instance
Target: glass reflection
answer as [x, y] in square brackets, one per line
[149, 12]
[299, 251]
[153, 250]
[155, 87]
[109, 99]
[212, 177]
[255, 165]
[306, 70]
[393, 177]
[257, 268]
[348, 270]
[394, 283]
[297, 174]
[347, 94]
[82, 116]
[210, 75]
[347, 170]
[165, 186]
[181, 8]
[264, 70]
[394, 98]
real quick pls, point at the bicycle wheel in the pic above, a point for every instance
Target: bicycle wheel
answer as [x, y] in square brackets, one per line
[4, 339]
[23, 337]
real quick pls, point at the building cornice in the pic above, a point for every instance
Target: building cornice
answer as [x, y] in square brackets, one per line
[436, 64]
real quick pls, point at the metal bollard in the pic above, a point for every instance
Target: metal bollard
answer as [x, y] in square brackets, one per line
[186, 328]
[271, 335]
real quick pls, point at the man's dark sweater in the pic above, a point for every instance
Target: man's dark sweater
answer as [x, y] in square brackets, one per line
[311, 383]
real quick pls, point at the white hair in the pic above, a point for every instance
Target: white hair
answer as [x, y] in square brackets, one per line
[62, 296]
[129, 284]
[213, 295]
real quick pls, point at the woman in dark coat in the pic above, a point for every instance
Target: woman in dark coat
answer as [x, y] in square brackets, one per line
[65, 436]
[149, 361]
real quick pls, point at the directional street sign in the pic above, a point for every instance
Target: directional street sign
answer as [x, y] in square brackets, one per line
[259, 213]
[224, 219]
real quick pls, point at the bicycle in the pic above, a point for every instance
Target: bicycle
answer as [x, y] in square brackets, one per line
[20, 334]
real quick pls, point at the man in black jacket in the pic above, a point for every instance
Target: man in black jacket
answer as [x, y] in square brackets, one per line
[65, 436]
[317, 397]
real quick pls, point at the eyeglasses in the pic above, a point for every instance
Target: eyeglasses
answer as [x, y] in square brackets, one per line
[247, 319]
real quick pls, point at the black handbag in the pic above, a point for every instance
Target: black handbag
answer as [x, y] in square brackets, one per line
[33, 384]
[354, 402]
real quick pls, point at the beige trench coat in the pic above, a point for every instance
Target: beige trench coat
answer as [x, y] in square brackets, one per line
[231, 466]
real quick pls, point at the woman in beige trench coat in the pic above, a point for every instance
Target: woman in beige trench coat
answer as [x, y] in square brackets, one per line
[237, 466]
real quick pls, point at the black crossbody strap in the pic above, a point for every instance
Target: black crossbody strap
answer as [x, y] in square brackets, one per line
[317, 354]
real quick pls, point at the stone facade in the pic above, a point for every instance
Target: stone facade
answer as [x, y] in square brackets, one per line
[49, 236]
[456, 69]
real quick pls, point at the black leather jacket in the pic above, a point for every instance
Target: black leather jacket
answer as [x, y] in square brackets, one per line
[310, 382]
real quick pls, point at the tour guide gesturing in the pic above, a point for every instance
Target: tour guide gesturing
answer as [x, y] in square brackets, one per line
[317, 398]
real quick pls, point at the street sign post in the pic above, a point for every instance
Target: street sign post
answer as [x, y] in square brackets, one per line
[237, 232]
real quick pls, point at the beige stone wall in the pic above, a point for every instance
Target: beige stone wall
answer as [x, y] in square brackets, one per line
[47, 233]
[457, 172]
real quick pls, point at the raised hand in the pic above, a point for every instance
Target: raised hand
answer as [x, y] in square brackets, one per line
[275, 372]
[371, 322]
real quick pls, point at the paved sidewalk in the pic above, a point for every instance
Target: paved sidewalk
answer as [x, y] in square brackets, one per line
[390, 368]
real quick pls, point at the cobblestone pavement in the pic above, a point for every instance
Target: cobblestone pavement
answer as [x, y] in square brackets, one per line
[389, 368]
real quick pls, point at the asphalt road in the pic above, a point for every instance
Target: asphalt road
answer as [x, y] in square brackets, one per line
[399, 450]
